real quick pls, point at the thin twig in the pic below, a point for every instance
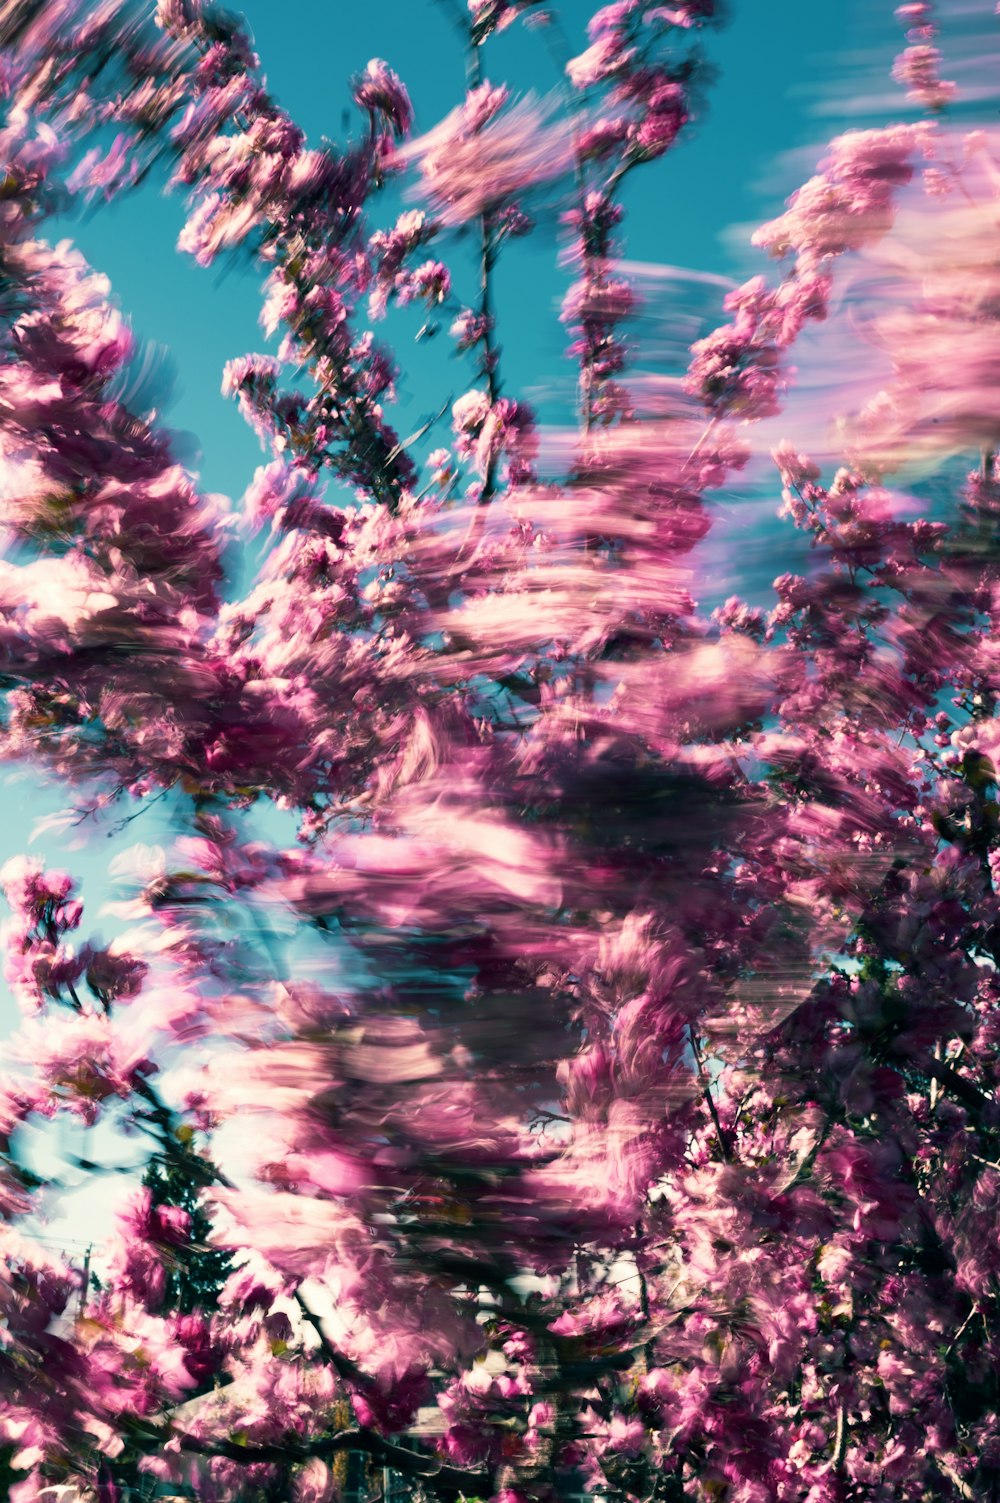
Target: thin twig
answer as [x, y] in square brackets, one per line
[706, 1089]
[961, 1330]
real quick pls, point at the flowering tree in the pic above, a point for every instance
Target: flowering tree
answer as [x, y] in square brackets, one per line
[619, 1039]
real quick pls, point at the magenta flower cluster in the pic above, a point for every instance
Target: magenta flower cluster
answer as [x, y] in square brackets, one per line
[600, 1092]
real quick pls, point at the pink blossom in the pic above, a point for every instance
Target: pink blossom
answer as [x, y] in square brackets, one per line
[567, 982]
[379, 90]
[487, 151]
[918, 69]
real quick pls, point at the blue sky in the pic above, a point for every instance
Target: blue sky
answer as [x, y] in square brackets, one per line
[769, 112]
[730, 172]
[779, 64]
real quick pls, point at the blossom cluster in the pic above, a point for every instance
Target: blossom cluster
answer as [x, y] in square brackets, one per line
[600, 1091]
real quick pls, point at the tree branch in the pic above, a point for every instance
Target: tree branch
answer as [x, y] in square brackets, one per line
[706, 1090]
[434, 1473]
[342, 1365]
[950, 1080]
